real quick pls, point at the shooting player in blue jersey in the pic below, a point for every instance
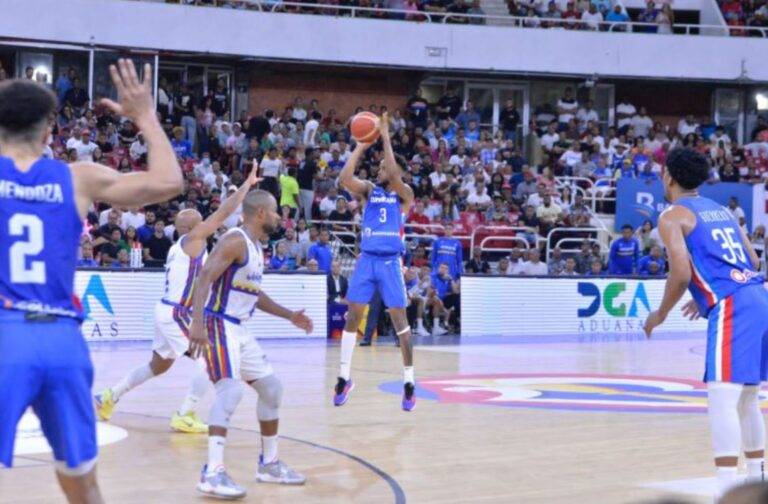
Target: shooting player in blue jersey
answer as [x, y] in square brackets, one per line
[44, 361]
[380, 262]
[711, 256]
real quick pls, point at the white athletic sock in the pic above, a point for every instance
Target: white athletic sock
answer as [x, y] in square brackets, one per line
[216, 452]
[727, 477]
[420, 324]
[269, 448]
[132, 380]
[348, 341]
[197, 388]
[755, 470]
[408, 375]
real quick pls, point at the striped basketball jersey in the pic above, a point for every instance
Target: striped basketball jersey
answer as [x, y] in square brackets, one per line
[236, 292]
[383, 231]
[720, 263]
[181, 273]
[40, 230]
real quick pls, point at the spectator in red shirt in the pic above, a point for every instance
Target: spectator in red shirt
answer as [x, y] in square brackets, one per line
[570, 15]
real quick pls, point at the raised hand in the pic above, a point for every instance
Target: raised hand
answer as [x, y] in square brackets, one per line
[253, 178]
[134, 96]
[384, 125]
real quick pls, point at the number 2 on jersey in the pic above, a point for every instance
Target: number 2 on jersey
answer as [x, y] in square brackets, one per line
[730, 243]
[32, 227]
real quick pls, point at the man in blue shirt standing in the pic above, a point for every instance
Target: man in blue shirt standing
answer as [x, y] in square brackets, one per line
[644, 264]
[448, 250]
[321, 252]
[181, 147]
[625, 253]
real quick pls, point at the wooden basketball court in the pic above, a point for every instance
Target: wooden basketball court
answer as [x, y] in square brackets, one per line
[484, 431]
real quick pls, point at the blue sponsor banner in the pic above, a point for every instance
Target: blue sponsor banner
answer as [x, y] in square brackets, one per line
[638, 201]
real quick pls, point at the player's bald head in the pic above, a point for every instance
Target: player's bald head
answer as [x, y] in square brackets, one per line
[256, 200]
[187, 219]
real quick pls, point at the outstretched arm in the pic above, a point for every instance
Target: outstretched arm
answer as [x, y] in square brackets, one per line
[671, 230]
[402, 189]
[297, 318]
[230, 250]
[162, 180]
[347, 177]
[196, 238]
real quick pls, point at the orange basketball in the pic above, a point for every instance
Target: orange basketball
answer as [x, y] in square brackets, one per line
[365, 127]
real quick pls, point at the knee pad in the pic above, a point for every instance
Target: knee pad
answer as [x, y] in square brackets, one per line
[724, 418]
[228, 395]
[270, 390]
[75, 472]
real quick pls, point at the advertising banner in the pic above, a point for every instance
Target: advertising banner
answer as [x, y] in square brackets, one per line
[638, 201]
[120, 305]
[515, 306]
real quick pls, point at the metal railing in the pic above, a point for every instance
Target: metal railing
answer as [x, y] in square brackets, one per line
[482, 227]
[572, 239]
[479, 19]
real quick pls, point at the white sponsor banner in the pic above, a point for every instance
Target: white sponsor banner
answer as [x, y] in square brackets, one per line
[120, 305]
[515, 306]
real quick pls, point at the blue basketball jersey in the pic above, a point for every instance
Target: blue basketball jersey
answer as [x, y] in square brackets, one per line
[720, 263]
[383, 231]
[40, 231]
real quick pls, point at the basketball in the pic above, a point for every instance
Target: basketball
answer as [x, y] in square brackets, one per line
[365, 127]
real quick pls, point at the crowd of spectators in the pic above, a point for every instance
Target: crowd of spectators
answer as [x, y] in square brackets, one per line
[739, 14]
[594, 15]
[463, 175]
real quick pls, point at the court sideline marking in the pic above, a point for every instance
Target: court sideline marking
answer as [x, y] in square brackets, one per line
[397, 490]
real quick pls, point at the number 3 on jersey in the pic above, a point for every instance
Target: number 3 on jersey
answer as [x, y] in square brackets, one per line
[382, 215]
[32, 227]
[728, 241]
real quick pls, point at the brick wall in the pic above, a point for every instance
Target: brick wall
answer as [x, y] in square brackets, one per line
[343, 89]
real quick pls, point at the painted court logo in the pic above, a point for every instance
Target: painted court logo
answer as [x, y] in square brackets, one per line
[621, 393]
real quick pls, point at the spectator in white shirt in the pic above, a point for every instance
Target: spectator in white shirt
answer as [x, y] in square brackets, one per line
[216, 178]
[687, 125]
[132, 218]
[533, 266]
[299, 111]
[479, 199]
[537, 198]
[551, 137]
[625, 111]
[328, 204]
[642, 123]
[437, 177]
[516, 262]
[720, 136]
[592, 17]
[85, 147]
[310, 130]
[204, 167]
[138, 150]
[503, 267]
[459, 158]
[77, 136]
[566, 108]
[570, 157]
[587, 114]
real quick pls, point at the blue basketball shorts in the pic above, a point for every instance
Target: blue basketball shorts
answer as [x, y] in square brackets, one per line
[384, 273]
[737, 338]
[46, 365]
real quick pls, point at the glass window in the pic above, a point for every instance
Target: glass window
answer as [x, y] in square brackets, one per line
[102, 82]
